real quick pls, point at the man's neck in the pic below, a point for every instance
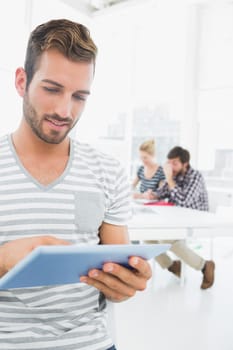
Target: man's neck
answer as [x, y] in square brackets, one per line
[45, 162]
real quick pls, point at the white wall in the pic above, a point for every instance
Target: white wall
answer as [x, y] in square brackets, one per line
[215, 102]
[141, 62]
[173, 51]
[44, 10]
[13, 34]
[17, 19]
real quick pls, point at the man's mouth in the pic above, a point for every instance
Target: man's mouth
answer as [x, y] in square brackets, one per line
[57, 124]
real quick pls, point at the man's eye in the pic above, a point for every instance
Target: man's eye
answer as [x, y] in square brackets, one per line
[53, 90]
[80, 97]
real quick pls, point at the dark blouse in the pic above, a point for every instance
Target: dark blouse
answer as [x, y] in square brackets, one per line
[153, 182]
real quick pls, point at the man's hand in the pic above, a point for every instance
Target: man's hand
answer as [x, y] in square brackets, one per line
[149, 194]
[118, 283]
[167, 169]
[168, 172]
[14, 251]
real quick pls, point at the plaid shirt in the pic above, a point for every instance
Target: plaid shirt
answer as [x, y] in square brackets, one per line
[189, 191]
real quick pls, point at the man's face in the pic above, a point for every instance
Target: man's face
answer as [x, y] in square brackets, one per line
[56, 96]
[177, 166]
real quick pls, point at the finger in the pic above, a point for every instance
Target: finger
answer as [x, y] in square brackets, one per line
[142, 266]
[112, 282]
[56, 241]
[109, 285]
[146, 195]
[131, 277]
[48, 240]
[62, 242]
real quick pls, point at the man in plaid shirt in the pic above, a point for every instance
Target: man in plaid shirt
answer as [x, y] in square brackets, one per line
[184, 187]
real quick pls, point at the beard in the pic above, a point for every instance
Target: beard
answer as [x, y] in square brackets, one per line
[35, 122]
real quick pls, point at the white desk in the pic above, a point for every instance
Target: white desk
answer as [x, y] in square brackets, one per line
[171, 222]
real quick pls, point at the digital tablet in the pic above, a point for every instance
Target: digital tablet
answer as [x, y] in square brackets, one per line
[53, 265]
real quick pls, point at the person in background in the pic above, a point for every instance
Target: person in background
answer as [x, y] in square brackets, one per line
[55, 190]
[184, 187]
[150, 174]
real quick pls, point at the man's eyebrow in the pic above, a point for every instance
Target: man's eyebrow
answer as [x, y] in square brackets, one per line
[61, 86]
[52, 82]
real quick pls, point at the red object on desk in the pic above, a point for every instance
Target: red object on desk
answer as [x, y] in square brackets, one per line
[162, 203]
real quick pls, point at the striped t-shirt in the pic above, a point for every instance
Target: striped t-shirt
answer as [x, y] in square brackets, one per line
[92, 189]
[151, 183]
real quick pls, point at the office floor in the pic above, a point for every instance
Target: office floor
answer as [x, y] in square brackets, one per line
[170, 316]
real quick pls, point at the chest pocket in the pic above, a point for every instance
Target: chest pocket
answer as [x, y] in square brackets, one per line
[89, 211]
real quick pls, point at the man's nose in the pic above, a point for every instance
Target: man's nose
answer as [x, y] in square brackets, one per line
[64, 107]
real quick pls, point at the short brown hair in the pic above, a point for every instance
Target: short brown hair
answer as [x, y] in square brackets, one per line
[179, 152]
[69, 38]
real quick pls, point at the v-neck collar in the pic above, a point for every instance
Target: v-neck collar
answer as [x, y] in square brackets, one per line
[31, 178]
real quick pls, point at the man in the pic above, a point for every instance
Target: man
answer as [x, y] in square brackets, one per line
[54, 190]
[184, 187]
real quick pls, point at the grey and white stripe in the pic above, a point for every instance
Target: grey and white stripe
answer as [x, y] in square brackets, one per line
[92, 189]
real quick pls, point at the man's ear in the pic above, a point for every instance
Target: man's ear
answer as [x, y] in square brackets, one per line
[20, 81]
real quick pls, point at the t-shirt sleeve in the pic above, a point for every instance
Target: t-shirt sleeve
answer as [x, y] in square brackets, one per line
[119, 208]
